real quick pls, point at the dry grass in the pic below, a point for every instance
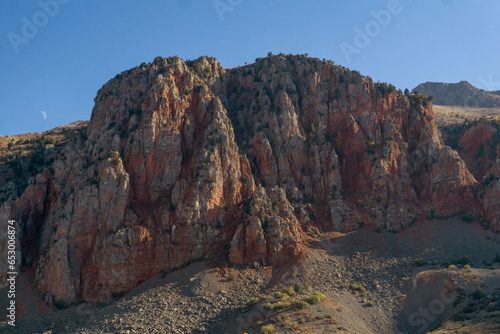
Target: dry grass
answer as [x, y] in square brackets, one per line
[446, 115]
[488, 326]
[23, 148]
[306, 312]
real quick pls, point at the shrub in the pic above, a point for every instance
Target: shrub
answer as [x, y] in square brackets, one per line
[359, 287]
[297, 287]
[496, 259]
[268, 329]
[253, 301]
[232, 277]
[468, 217]
[112, 153]
[420, 262]
[279, 295]
[268, 306]
[452, 267]
[478, 294]
[316, 298]
[302, 304]
[282, 305]
[463, 260]
[288, 290]
[370, 303]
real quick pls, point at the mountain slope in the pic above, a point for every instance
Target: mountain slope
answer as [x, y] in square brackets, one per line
[184, 161]
[459, 94]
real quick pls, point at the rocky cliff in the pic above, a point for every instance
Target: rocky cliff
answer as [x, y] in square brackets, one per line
[185, 160]
[477, 142]
[459, 94]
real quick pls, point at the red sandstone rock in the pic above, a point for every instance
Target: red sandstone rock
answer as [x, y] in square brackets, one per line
[184, 158]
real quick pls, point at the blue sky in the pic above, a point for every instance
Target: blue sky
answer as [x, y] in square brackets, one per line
[59, 67]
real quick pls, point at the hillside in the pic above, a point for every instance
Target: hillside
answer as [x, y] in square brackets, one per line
[185, 162]
[24, 156]
[448, 115]
[459, 94]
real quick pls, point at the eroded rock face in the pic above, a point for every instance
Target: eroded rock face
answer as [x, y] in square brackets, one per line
[479, 147]
[356, 151]
[185, 161]
[490, 197]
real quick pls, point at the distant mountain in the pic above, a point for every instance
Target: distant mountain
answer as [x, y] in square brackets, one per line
[459, 94]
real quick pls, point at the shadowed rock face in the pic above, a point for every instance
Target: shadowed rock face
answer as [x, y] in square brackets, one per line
[481, 144]
[490, 197]
[459, 94]
[187, 160]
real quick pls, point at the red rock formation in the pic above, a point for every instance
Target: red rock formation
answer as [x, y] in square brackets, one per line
[186, 161]
[476, 145]
[489, 195]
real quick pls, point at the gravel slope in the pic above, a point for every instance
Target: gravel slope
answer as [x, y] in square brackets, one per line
[205, 299]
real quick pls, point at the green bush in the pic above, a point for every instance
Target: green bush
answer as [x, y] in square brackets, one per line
[282, 305]
[302, 304]
[279, 295]
[297, 287]
[359, 287]
[288, 290]
[249, 304]
[268, 306]
[268, 329]
[253, 301]
[478, 294]
[468, 217]
[315, 298]
[496, 259]
[463, 260]
[420, 262]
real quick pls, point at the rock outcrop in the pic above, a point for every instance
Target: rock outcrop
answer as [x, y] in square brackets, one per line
[184, 160]
[480, 147]
[490, 197]
[459, 94]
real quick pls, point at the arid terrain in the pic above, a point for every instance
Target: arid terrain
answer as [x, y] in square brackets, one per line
[290, 195]
[447, 115]
[405, 275]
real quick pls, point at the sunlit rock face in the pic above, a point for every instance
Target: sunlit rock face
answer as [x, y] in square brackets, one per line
[184, 160]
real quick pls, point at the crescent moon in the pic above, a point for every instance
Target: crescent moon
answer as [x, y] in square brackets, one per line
[44, 115]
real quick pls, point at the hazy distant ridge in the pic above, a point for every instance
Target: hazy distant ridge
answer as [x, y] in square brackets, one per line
[459, 94]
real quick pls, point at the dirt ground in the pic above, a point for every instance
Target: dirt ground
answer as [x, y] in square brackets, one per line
[207, 297]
